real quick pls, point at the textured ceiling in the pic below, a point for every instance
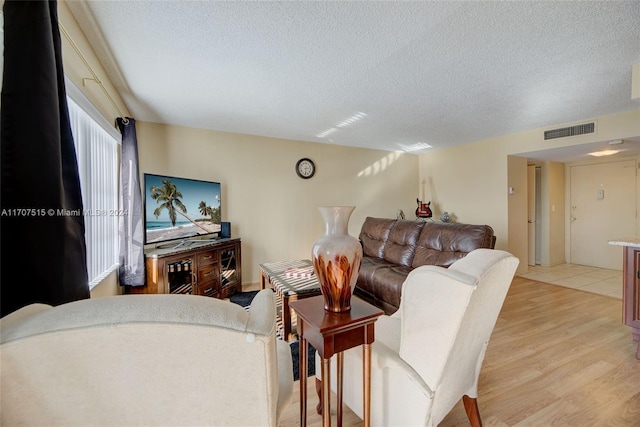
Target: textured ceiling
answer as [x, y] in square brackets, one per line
[385, 75]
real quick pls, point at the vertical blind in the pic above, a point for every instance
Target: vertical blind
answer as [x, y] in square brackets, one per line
[97, 152]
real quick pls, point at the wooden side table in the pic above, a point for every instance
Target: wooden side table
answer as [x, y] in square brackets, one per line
[332, 333]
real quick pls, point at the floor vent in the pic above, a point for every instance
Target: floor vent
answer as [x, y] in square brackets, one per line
[582, 129]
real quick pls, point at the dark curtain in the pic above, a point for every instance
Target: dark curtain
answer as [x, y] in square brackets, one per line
[131, 225]
[43, 252]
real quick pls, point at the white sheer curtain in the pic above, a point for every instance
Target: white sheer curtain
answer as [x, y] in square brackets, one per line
[97, 152]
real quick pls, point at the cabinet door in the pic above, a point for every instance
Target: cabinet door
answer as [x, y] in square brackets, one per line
[631, 293]
[230, 266]
[636, 289]
[179, 275]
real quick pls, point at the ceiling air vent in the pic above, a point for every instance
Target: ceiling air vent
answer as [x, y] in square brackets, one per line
[582, 129]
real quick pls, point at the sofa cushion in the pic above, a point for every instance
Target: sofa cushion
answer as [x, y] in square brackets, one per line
[373, 235]
[387, 286]
[367, 270]
[443, 244]
[401, 242]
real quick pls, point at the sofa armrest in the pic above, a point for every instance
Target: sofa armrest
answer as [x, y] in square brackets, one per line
[262, 313]
[23, 313]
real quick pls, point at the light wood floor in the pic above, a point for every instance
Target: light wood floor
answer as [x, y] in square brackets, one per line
[557, 357]
[596, 280]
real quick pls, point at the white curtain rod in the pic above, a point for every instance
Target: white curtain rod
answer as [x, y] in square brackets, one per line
[93, 73]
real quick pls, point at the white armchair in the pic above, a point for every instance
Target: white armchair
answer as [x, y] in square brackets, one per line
[144, 360]
[428, 354]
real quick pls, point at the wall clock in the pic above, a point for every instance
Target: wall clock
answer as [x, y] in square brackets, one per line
[305, 168]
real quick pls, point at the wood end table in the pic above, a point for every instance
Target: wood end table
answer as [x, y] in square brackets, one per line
[332, 333]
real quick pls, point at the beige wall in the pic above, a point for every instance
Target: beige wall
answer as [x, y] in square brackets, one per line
[270, 208]
[553, 214]
[471, 180]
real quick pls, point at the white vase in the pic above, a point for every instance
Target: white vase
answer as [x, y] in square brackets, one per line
[337, 257]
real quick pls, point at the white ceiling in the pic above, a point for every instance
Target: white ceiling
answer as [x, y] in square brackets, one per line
[386, 75]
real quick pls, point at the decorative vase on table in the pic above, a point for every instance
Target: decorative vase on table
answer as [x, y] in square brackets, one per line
[337, 257]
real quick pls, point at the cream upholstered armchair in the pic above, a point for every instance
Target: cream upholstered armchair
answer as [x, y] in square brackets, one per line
[428, 354]
[144, 360]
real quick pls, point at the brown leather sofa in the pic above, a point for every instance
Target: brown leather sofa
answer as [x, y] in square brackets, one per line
[392, 248]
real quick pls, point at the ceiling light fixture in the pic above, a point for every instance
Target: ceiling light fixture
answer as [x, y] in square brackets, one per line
[604, 153]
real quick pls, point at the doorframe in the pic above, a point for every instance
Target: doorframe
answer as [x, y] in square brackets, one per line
[538, 199]
[534, 195]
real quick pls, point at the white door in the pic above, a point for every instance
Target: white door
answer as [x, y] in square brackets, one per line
[603, 207]
[531, 212]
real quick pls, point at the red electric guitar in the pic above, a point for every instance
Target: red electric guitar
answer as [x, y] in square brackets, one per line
[423, 210]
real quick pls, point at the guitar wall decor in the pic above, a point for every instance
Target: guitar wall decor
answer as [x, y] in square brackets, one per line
[423, 210]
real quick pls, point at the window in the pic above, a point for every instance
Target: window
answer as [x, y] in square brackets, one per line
[97, 153]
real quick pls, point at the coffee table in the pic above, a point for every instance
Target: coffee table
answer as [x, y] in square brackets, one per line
[288, 288]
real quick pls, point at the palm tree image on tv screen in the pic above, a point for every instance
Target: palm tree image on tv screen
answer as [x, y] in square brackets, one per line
[180, 208]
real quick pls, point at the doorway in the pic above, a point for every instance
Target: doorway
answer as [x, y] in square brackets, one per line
[602, 207]
[534, 213]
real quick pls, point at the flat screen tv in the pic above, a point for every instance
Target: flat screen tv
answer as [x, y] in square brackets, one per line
[180, 208]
